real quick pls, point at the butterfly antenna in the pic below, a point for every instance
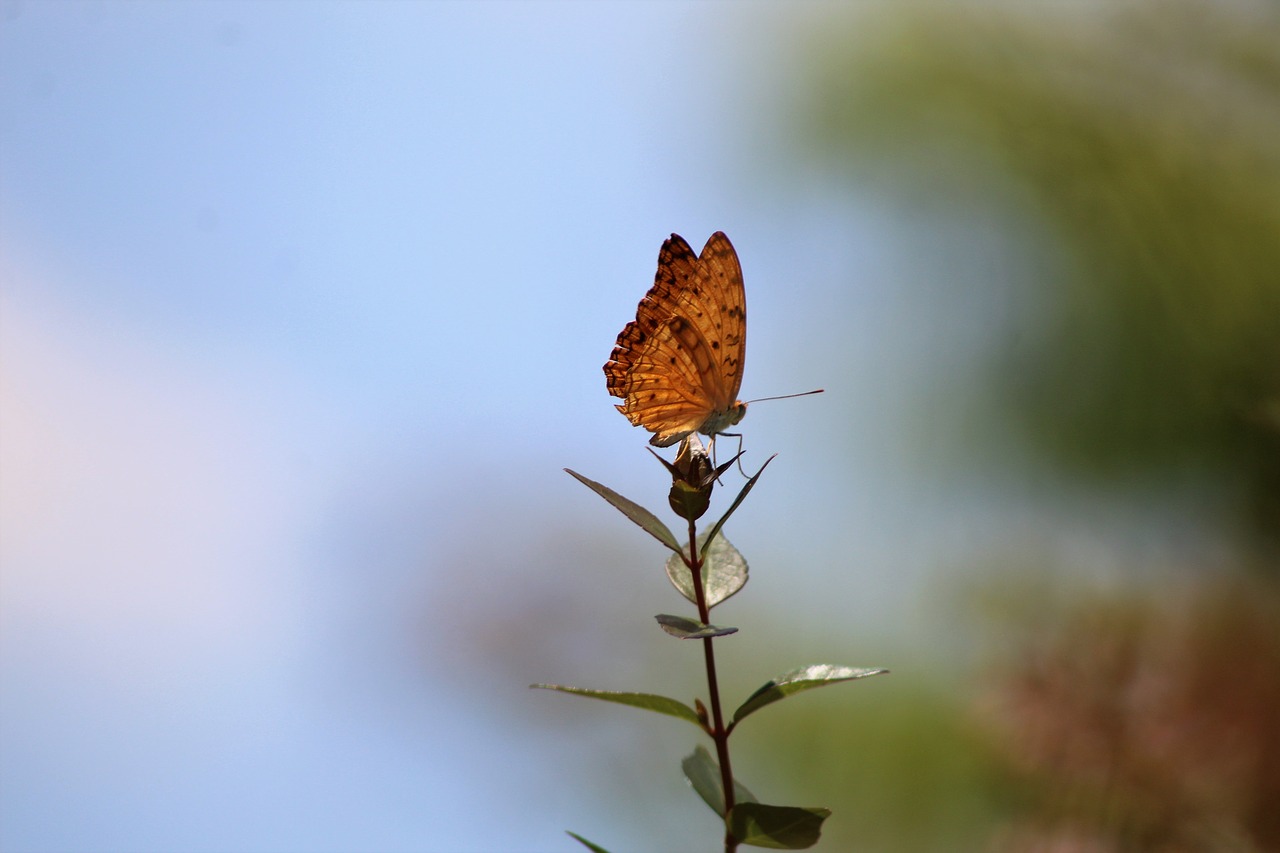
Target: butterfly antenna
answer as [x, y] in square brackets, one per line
[738, 435]
[786, 396]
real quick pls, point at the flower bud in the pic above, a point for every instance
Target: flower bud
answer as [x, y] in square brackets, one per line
[692, 479]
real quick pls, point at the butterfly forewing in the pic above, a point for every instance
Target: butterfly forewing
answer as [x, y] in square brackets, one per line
[678, 365]
[716, 305]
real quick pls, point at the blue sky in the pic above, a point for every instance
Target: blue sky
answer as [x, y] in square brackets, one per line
[297, 297]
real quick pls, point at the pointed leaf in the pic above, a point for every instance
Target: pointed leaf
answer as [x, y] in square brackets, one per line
[779, 827]
[742, 495]
[594, 848]
[724, 571]
[647, 701]
[632, 510]
[690, 629]
[805, 678]
[704, 775]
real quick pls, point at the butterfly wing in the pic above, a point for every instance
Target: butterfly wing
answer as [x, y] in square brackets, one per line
[665, 390]
[678, 365]
[716, 305]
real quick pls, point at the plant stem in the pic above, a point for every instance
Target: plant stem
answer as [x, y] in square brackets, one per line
[718, 734]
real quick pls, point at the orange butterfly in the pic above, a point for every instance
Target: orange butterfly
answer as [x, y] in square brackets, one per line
[678, 365]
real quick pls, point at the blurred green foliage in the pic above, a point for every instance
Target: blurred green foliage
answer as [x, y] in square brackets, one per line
[1145, 140]
[1137, 148]
[1143, 143]
[895, 761]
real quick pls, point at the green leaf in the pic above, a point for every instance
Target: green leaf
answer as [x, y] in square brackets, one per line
[779, 827]
[690, 629]
[704, 775]
[594, 848]
[647, 701]
[798, 680]
[724, 571]
[742, 495]
[649, 522]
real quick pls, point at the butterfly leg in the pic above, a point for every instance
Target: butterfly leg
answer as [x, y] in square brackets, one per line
[712, 447]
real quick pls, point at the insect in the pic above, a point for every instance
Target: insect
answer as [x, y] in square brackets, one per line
[678, 365]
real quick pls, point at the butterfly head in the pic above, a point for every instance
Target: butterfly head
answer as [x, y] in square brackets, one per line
[718, 422]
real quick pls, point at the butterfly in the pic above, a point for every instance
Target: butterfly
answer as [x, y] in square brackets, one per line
[678, 365]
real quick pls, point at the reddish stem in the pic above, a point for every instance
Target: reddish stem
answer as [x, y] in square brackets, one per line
[719, 733]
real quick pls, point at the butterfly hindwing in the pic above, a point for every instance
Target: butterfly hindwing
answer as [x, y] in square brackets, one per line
[676, 262]
[667, 392]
